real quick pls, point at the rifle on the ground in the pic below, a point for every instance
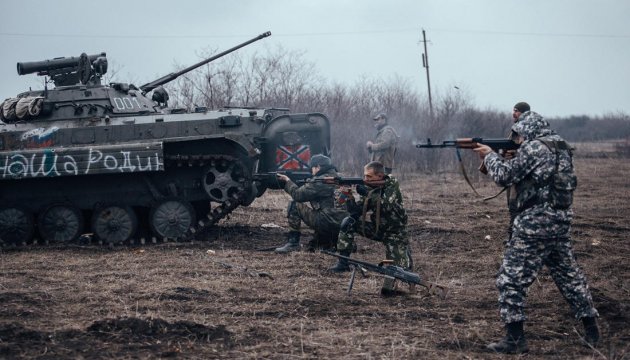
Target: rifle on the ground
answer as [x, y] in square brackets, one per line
[387, 268]
[471, 143]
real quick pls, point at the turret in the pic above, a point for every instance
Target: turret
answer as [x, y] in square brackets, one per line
[80, 95]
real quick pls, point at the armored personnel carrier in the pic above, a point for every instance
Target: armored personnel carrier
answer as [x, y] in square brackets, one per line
[108, 160]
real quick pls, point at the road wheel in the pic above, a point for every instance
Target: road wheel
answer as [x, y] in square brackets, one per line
[60, 223]
[16, 225]
[171, 218]
[114, 224]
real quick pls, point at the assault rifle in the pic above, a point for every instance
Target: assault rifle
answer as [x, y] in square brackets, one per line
[387, 268]
[338, 180]
[301, 177]
[271, 178]
[471, 143]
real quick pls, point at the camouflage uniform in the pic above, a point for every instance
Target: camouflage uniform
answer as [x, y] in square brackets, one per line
[322, 216]
[540, 231]
[383, 148]
[511, 196]
[389, 227]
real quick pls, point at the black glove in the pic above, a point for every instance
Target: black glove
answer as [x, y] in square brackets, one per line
[362, 190]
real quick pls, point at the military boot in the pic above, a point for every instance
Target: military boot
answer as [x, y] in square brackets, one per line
[293, 243]
[513, 343]
[342, 264]
[591, 331]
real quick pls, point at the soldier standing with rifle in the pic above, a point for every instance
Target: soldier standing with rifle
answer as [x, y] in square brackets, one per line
[322, 216]
[520, 108]
[383, 148]
[543, 175]
[388, 221]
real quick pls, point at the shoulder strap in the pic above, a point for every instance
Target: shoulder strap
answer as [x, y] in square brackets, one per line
[555, 145]
[391, 128]
[377, 212]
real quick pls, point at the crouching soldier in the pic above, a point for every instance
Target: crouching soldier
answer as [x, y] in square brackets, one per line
[322, 215]
[388, 221]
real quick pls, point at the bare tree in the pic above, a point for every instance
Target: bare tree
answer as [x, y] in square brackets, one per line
[283, 78]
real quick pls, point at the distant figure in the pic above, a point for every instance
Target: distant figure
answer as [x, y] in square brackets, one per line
[383, 148]
[543, 175]
[322, 215]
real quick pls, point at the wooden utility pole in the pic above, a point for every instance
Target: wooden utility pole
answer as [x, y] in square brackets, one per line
[425, 64]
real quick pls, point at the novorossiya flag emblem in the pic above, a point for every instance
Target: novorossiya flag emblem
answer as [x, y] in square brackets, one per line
[293, 157]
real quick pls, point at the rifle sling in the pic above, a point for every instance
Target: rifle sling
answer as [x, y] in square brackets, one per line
[364, 213]
[461, 165]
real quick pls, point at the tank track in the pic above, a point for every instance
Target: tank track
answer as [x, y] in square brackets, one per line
[195, 232]
[213, 216]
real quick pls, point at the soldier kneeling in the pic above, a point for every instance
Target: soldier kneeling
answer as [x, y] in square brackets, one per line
[314, 204]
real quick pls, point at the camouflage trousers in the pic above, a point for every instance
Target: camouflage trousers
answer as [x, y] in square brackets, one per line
[396, 243]
[325, 232]
[522, 260]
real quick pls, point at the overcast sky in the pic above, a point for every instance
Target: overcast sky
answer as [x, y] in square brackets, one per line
[565, 57]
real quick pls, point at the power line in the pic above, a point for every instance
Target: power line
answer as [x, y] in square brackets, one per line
[330, 33]
[490, 32]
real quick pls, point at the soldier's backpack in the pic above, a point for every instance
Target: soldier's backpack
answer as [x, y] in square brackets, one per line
[563, 182]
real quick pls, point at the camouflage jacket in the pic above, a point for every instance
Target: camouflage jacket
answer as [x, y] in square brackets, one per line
[320, 195]
[392, 215]
[531, 172]
[383, 148]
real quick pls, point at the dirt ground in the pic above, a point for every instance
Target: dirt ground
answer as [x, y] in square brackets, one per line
[225, 298]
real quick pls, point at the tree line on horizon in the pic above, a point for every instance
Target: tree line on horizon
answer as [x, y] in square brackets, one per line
[280, 78]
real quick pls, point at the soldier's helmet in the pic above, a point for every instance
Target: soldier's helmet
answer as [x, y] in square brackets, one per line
[320, 160]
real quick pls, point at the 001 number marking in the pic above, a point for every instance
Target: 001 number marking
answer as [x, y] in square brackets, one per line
[126, 103]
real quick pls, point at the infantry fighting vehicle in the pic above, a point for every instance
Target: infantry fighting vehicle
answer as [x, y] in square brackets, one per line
[108, 160]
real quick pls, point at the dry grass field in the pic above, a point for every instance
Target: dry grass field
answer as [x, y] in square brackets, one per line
[225, 298]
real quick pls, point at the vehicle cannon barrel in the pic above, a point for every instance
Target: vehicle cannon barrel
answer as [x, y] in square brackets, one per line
[43, 67]
[172, 76]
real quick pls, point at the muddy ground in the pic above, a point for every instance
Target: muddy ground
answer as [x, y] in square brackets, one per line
[224, 298]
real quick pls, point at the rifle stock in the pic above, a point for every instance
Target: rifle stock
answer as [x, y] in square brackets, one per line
[393, 271]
